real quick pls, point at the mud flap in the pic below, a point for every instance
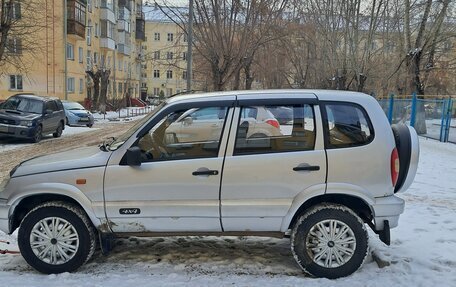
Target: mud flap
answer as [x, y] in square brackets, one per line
[106, 242]
[384, 234]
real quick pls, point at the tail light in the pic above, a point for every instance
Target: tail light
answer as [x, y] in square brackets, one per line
[394, 166]
[273, 123]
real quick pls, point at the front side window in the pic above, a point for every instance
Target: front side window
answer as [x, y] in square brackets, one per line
[347, 125]
[185, 134]
[275, 128]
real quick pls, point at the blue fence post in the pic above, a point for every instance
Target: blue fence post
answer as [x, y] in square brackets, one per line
[443, 121]
[391, 108]
[413, 113]
[448, 119]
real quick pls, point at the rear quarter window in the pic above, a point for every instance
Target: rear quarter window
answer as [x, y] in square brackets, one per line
[346, 125]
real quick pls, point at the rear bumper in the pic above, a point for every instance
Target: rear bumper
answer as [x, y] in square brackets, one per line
[387, 208]
[4, 218]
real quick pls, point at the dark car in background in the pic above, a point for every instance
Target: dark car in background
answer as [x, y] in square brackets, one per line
[31, 116]
[77, 115]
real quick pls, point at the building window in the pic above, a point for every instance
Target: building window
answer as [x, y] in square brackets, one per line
[80, 55]
[156, 91]
[97, 30]
[169, 92]
[170, 37]
[95, 58]
[184, 56]
[15, 82]
[184, 75]
[107, 29]
[157, 55]
[89, 33]
[120, 88]
[185, 37]
[70, 51]
[169, 55]
[156, 74]
[70, 85]
[89, 5]
[89, 59]
[78, 14]
[107, 4]
[157, 36]
[16, 11]
[169, 74]
[81, 86]
[15, 45]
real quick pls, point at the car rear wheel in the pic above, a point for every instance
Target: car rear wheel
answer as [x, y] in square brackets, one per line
[330, 241]
[38, 135]
[58, 131]
[89, 125]
[56, 237]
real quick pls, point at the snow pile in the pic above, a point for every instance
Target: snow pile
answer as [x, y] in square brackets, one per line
[125, 114]
[422, 253]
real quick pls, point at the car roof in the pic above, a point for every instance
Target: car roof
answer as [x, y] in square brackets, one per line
[35, 97]
[251, 94]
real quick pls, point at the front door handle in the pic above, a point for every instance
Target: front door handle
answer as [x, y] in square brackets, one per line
[306, 167]
[205, 171]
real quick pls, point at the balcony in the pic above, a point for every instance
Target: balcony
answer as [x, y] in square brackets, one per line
[123, 25]
[76, 18]
[140, 27]
[125, 3]
[124, 49]
[108, 43]
[107, 13]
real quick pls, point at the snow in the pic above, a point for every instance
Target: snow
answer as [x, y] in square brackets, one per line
[422, 252]
[126, 114]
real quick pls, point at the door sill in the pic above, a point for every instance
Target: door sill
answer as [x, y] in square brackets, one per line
[275, 234]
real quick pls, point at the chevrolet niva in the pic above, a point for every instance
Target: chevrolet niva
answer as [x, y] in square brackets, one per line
[210, 164]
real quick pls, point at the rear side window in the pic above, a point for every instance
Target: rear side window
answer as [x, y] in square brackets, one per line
[51, 105]
[274, 129]
[347, 125]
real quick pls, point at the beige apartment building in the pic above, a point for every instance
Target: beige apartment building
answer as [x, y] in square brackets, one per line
[165, 52]
[100, 34]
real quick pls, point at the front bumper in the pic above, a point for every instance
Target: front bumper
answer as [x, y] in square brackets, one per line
[16, 131]
[4, 218]
[387, 208]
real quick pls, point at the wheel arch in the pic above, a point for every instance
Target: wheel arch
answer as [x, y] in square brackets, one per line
[357, 204]
[24, 205]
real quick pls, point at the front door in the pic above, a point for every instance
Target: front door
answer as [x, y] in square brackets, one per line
[176, 188]
[271, 162]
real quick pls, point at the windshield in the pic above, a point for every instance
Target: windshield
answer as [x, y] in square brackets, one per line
[23, 105]
[73, 106]
[120, 140]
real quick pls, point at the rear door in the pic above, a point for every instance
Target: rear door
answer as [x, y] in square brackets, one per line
[51, 119]
[263, 174]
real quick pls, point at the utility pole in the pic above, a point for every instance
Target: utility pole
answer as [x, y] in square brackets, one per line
[189, 46]
[65, 69]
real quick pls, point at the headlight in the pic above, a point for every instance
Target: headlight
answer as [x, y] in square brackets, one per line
[26, 123]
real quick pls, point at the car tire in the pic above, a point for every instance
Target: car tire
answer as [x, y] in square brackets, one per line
[334, 230]
[67, 122]
[38, 135]
[58, 131]
[89, 125]
[404, 150]
[46, 248]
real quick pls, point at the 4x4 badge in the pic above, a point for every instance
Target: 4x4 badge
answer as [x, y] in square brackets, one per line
[129, 211]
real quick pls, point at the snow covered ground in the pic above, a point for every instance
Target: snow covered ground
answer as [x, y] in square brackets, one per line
[422, 253]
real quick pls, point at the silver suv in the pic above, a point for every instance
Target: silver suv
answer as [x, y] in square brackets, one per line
[331, 168]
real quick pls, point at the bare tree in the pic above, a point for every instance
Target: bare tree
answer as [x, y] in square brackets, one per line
[20, 24]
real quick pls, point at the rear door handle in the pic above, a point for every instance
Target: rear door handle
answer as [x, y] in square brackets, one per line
[306, 167]
[205, 171]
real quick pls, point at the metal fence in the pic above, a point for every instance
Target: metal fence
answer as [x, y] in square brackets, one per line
[432, 116]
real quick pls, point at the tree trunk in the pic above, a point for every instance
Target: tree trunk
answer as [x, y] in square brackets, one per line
[103, 91]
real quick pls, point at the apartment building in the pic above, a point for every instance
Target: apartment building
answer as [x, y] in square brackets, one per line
[165, 52]
[100, 35]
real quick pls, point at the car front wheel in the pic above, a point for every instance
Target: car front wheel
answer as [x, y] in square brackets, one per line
[56, 237]
[330, 241]
[38, 135]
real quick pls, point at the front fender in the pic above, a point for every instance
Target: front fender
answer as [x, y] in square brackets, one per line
[60, 189]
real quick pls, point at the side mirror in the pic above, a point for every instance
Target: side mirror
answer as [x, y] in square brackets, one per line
[188, 121]
[134, 156]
